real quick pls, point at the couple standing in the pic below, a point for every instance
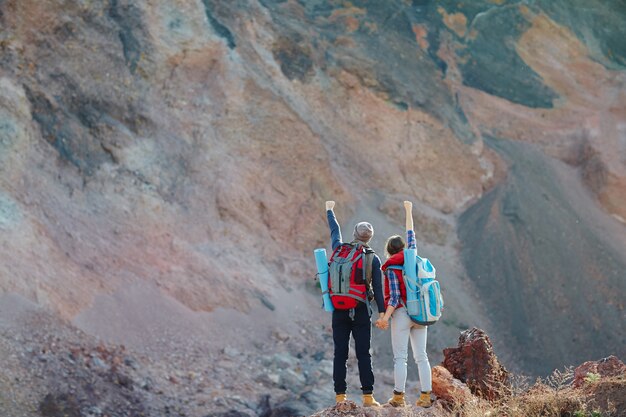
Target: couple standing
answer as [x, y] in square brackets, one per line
[390, 305]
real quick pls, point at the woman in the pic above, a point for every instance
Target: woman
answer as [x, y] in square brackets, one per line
[402, 328]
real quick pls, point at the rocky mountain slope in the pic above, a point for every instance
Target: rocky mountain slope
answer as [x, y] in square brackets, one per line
[163, 168]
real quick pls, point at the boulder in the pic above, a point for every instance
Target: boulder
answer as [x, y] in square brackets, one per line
[607, 367]
[60, 405]
[475, 363]
[448, 388]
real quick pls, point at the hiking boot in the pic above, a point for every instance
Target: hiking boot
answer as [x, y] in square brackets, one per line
[340, 398]
[369, 401]
[397, 400]
[424, 400]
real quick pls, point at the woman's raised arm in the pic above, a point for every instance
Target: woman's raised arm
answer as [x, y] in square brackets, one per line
[410, 233]
[408, 207]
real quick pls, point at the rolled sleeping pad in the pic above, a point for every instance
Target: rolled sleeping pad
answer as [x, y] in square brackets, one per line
[410, 271]
[321, 260]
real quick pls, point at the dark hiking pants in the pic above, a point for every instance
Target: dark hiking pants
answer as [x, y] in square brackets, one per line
[361, 330]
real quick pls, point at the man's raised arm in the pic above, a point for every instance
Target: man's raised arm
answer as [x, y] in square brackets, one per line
[335, 230]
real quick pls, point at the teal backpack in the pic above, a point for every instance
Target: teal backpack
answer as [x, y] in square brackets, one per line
[424, 302]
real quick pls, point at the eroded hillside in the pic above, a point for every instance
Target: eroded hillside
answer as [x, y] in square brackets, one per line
[165, 163]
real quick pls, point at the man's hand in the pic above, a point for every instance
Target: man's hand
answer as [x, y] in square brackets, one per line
[408, 206]
[330, 205]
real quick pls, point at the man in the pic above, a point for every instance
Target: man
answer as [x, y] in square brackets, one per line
[356, 321]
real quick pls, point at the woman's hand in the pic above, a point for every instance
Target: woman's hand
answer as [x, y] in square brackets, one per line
[330, 205]
[408, 206]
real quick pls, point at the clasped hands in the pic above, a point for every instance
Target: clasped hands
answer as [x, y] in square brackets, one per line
[381, 323]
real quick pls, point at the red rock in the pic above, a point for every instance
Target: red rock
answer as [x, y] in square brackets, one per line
[346, 406]
[607, 367]
[474, 363]
[448, 388]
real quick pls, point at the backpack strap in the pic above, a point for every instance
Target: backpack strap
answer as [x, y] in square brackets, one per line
[404, 276]
[368, 260]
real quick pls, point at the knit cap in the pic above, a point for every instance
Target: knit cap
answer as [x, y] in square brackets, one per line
[363, 231]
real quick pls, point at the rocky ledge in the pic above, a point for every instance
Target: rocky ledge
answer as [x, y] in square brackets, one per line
[471, 380]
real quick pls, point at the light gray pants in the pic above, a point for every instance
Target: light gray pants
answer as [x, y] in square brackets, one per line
[403, 330]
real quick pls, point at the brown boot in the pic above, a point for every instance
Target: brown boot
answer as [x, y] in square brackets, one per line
[369, 401]
[340, 398]
[397, 400]
[424, 400]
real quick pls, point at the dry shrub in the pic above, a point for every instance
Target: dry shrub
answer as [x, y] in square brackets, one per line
[552, 397]
[608, 395]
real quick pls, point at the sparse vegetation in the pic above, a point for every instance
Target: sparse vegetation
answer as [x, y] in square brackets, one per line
[592, 377]
[552, 396]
